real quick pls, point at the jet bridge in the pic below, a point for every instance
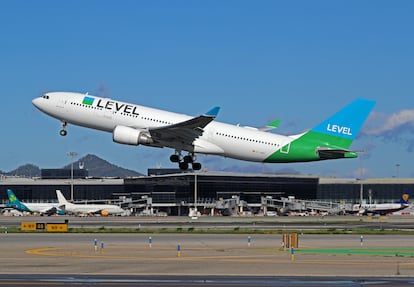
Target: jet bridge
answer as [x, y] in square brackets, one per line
[231, 206]
[284, 205]
[142, 205]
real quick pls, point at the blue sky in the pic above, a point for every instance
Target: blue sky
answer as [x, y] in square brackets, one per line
[298, 61]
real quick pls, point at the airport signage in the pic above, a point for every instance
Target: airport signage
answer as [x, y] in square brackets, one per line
[32, 226]
[57, 227]
[49, 227]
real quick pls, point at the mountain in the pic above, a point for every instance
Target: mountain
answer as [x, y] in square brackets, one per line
[27, 170]
[96, 167]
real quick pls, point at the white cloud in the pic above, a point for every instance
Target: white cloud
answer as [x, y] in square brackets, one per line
[398, 127]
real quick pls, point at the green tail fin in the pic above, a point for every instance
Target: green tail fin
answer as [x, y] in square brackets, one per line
[330, 139]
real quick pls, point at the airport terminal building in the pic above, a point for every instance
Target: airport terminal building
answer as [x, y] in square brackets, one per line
[175, 193]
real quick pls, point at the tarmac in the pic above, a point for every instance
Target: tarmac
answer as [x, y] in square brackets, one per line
[227, 259]
[206, 255]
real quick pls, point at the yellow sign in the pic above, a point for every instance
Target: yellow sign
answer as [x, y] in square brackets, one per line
[57, 227]
[28, 226]
[49, 227]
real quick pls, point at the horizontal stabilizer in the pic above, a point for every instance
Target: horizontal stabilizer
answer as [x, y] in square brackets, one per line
[336, 153]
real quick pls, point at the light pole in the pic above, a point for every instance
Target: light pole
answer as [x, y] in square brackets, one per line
[397, 166]
[195, 193]
[72, 154]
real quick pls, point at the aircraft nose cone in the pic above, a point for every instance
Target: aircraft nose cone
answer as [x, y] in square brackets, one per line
[36, 102]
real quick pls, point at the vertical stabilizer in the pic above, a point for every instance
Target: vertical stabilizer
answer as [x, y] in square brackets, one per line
[15, 203]
[12, 197]
[330, 139]
[405, 197]
[63, 203]
[346, 123]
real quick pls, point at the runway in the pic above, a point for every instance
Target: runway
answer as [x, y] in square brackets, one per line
[203, 257]
[159, 259]
[211, 281]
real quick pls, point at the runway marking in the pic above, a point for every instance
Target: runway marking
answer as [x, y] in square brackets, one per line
[249, 258]
[404, 252]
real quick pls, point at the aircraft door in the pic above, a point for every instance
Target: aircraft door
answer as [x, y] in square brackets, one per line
[61, 103]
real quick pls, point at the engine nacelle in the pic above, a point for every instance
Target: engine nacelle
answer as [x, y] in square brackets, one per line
[104, 212]
[131, 136]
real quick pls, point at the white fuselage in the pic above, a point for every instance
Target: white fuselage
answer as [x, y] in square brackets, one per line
[87, 208]
[93, 208]
[381, 208]
[41, 207]
[232, 141]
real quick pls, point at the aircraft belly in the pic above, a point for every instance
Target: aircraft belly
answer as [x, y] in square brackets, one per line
[206, 147]
[245, 151]
[250, 153]
[89, 119]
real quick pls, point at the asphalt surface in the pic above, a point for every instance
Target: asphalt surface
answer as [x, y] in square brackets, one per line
[153, 259]
[211, 281]
[217, 223]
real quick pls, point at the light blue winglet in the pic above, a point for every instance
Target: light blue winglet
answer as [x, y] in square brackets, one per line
[213, 112]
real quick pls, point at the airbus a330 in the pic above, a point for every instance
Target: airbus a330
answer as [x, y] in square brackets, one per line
[133, 124]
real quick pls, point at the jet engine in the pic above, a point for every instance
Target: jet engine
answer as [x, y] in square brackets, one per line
[104, 212]
[131, 136]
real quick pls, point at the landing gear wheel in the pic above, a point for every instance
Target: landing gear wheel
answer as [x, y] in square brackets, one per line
[63, 131]
[183, 165]
[175, 158]
[196, 166]
[188, 159]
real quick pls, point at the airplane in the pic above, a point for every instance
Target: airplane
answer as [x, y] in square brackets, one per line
[382, 208]
[88, 209]
[41, 208]
[135, 125]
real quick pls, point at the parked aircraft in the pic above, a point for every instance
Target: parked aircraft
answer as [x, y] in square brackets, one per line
[41, 208]
[382, 208]
[134, 125]
[88, 209]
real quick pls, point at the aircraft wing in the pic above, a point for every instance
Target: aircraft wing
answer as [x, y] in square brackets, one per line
[100, 211]
[94, 211]
[270, 126]
[49, 210]
[184, 132]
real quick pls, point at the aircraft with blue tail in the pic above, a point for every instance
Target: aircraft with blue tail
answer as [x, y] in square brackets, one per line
[132, 124]
[383, 208]
[40, 208]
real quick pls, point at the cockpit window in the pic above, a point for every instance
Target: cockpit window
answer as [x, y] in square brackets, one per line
[45, 97]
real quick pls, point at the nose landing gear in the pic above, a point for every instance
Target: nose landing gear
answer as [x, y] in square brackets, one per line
[63, 132]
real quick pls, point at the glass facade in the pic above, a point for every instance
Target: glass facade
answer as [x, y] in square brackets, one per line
[179, 188]
[213, 187]
[374, 192]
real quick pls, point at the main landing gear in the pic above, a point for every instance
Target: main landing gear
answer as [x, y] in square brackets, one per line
[183, 162]
[63, 132]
